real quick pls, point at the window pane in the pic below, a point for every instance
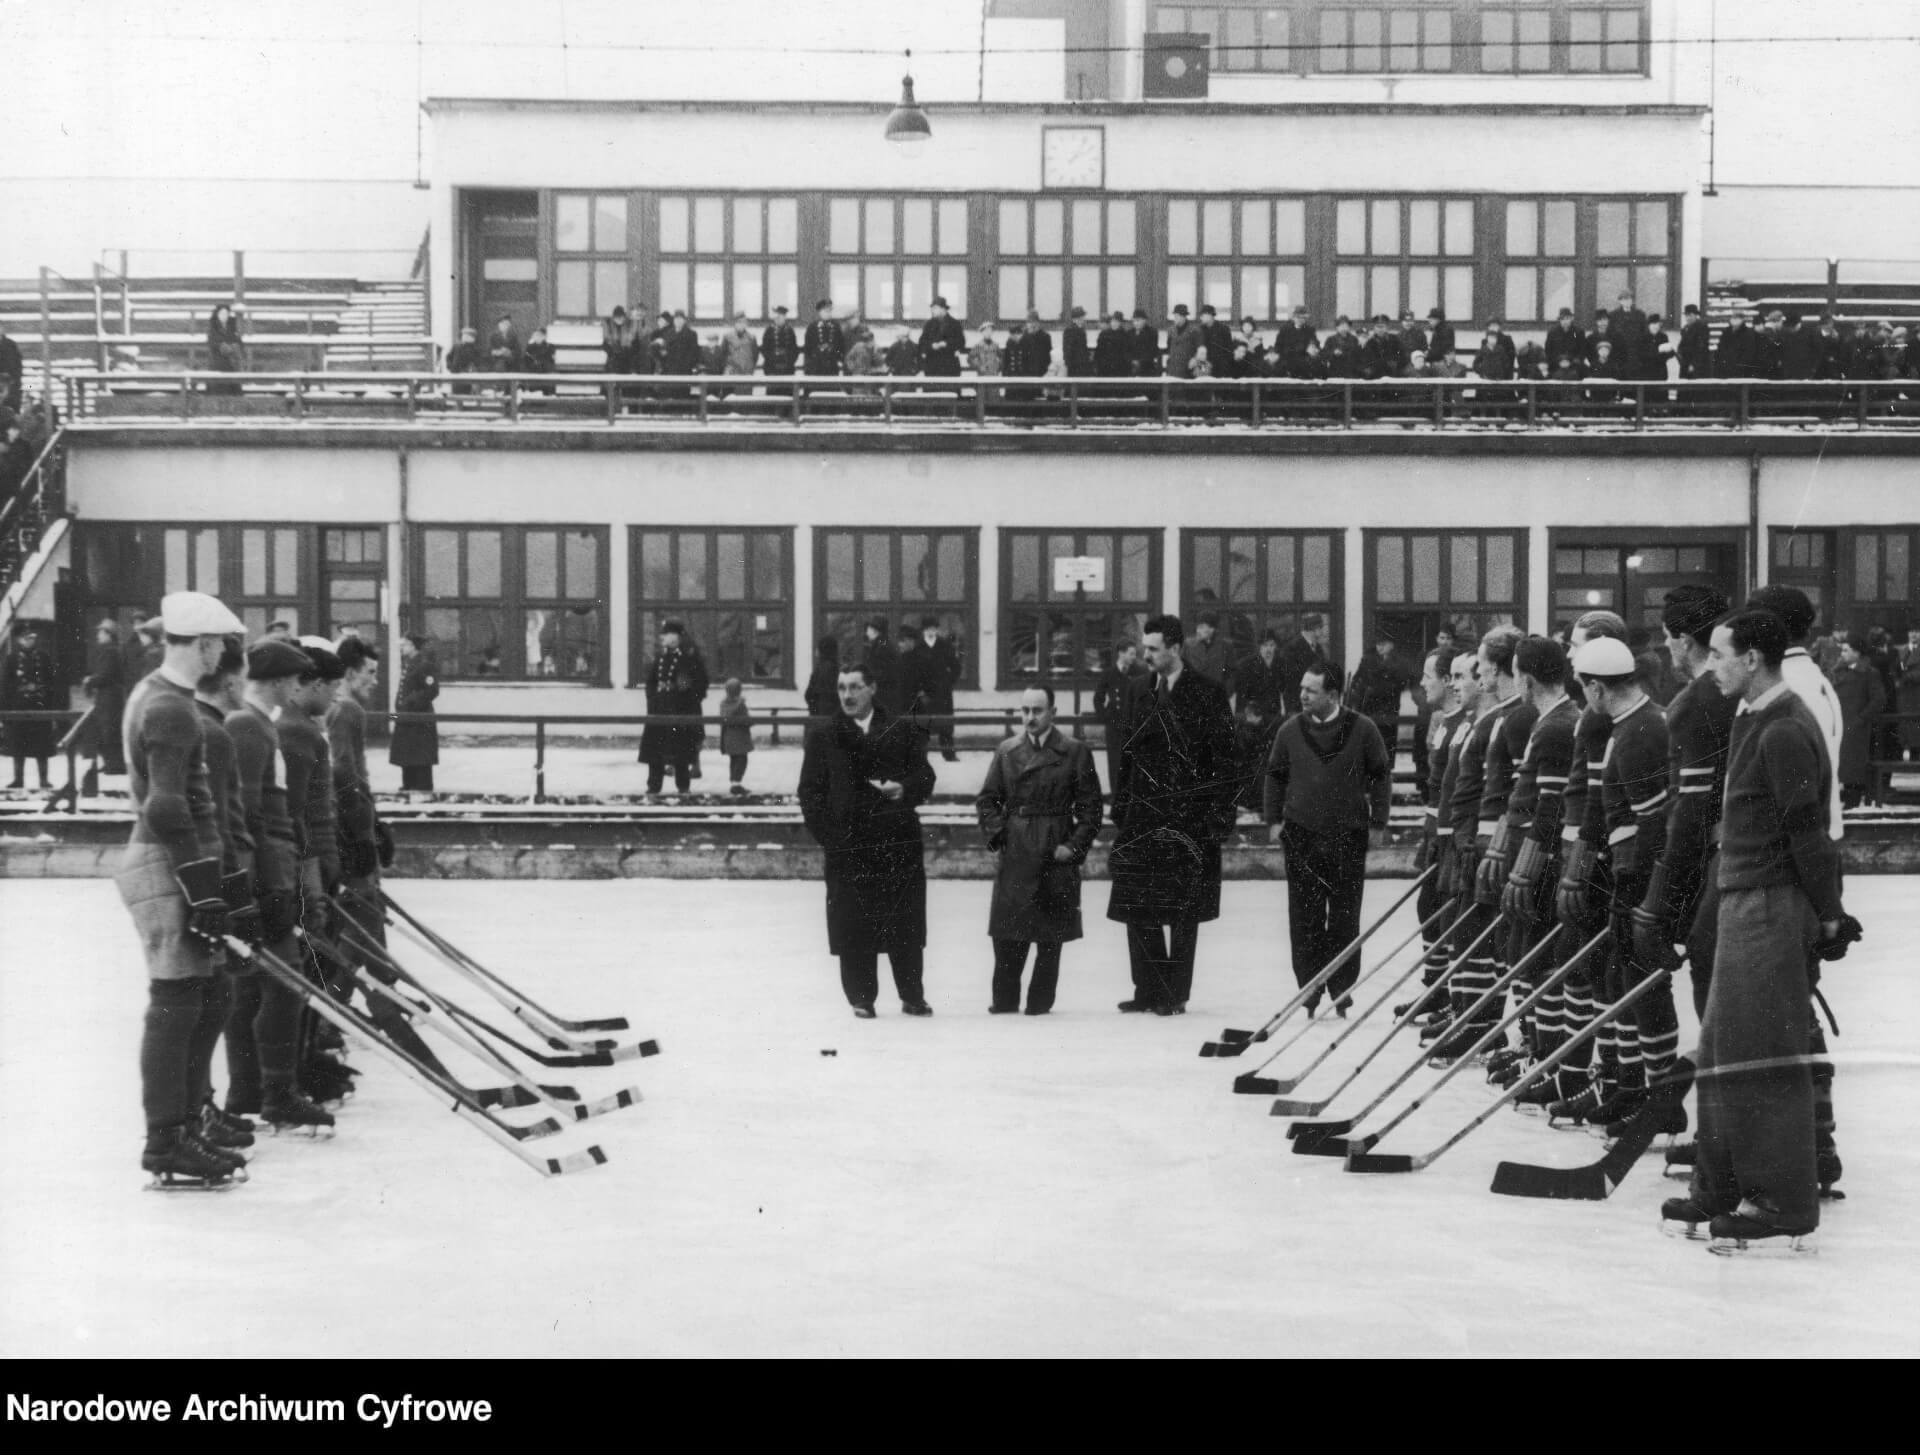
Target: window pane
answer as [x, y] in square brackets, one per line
[286, 562]
[1283, 582]
[1650, 228]
[916, 225]
[1183, 284]
[1048, 286]
[253, 563]
[916, 567]
[1386, 227]
[1438, 54]
[1623, 40]
[1085, 283]
[1049, 226]
[1101, 548]
[1120, 293]
[1613, 240]
[879, 225]
[483, 563]
[439, 549]
[1560, 229]
[1536, 49]
[573, 290]
[1366, 36]
[1390, 569]
[730, 552]
[543, 564]
[843, 283]
[609, 223]
[1650, 289]
[953, 226]
[673, 286]
[1241, 565]
[1426, 568]
[1289, 228]
[1316, 568]
[709, 220]
[1523, 301]
[951, 560]
[1350, 226]
[1256, 229]
[1386, 290]
[1464, 579]
[843, 225]
[1583, 52]
[1013, 292]
[1496, 41]
[1274, 32]
[1500, 583]
[1024, 573]
[709, 290]
[1333, 41]
[749, 295]
[656, 566]
[1216, 288]
[879, 296]
[1556, 291]
[840, 573]
[1350, 292]
[916, 290]
[1459, 223]
[694, 580]
[783, 225]
[1423, 289]
[1239, 49]
[1459, 299]
[1289, 288]
[1134, 561]
[1013, 227]
[673, 224]
[583, 565]
[1086, 228]
[783, 285]
[1403, 35]
[1122, 218]
[570, 223]
[1523, 229]
[1256, 298]
[561, 643]
[1423, 228]
[1204, 562]
[1607, 283]
[609, 284]
[1216, 219]
[1183, 227]
[876, 564]
[1894, 569]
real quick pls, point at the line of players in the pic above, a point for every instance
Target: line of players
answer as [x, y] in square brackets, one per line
[254, 817]
[1543, 813]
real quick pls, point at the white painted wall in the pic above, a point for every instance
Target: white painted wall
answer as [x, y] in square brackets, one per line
[348, 486]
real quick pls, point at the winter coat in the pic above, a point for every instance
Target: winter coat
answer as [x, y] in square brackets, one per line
[875, 871]
[1442, 346]
[1172, 802]
[1375, 694]
[676, 685]
[933, 671]
[779, 348]
[1029, 354]
[736, 727]
[826, 347]
[823, 688]
[1077, 352]
[107, 681]
[943, 343]
[1143, 353]
[416, 744]
[986, 358]
[903, 358]
[1907, 692]
[1255, 681]
[1495, 360]
[1110, 350]
[1862, 697]
[1109, 694]
[1183, 341]
[1034, 800]
[739, 353]
[1214, 658]
[1291, 341]
[1339, 356]
[620, 342]
[29, 685]
[888, 675]
[1696, 351]
[680, 352]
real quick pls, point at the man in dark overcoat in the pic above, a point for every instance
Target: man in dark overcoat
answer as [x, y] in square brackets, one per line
[862, 776]
[1296, 656]
[1040, 811]
[415, 746]
[676, 685]
[107, 681]
[1173, 804]
[826, 342]
[935, 672]
[779, 347]
[943, 343]
[28, 684]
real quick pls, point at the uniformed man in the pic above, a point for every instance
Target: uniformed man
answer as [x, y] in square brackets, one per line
[826, 344]
[170, 883]
[1451, 716]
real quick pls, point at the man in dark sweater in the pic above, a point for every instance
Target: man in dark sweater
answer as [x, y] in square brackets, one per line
[1754, 1181]
[1328, 782]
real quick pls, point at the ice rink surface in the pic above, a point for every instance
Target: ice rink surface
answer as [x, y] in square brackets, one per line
[965, 1185]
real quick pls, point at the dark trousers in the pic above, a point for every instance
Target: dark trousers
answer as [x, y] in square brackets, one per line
[860, 975]
[20, 769]
[174, 1011]
[263, 1032]
[1326, 875]
[657, 776]
[1161, 959]
[736, 767]
[416, 778]
[1010, 959]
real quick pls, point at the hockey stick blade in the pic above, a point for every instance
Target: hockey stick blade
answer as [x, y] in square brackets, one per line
[587, 1110]
[611, 1023]
[1237, 1038]
[635, 1052]
[1251, 1085]
[518, 1096]
[1565, 1184]
[573, 1162]
[1284, 1107]
[1313, 1131]
[1208, 1049]
[533, 1131]
[1326, 1146]
[1382, 1162]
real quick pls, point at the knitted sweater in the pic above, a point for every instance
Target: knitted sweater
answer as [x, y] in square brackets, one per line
[1774, 826]
[1329, 776]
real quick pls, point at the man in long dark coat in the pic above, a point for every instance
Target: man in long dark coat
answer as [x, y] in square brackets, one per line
[935, 671]
[28, 684]
[107, 681]
[862, 776]
[1040, 811]
[943, 343]
[415, 746]
[1173, 804]
[1296, 656]
[826, 342]
[676, 685]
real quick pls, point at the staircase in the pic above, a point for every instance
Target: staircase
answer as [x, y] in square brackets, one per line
[382, 327]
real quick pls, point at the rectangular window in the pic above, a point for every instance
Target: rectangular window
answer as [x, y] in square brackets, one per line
[731, 587]
[721, 256]
[890, 257]
[1404, 253]
[1633, 251]
[520, 603]
[1259, 581]
[1542, 261]
[1242, 37]
[1050, 635]
[1471, 580]
[590, 243]
[1055, 257]
[1247, 256]
[1516, 39]
[1606, 39]
[898, 578]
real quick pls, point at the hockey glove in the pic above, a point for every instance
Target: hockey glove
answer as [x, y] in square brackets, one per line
[359, 859]
[1570, 898]
[1449, 876]
[1423, 856]
[1518, 899]
[1653, 941]
[1490, 877]
[207, 908]
[330, 873]
[1834, 946]
[383, 843]
[279, 913]
[1624, 855]
[243, 915]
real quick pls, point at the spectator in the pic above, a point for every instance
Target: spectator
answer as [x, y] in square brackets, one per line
[1696, 351]
[1656, 351]
[1531, 363]
[779, 346]
[1381, 356]
[736, 736]
[1377, 685]
[1207, 652]
[1835, 355]
[1035, 350]
[1769, 348]
[1256, 679]
[1247, 351]
[1292, 340]
[676, 686]
[904, 697]
[1109, 697]
[415, 746]
[1143, 347]
[826, 344]
[16, 456]
[903, 356]
[538, 357]
[863, 361]
[1202, 365]
[1217, 339]
[1110, 349]
[882, 663]
[713, 357]
[1862, 698]
[106, 680]
[943, 342]
[822, 685]
[28, 684]
[1739, 345]
[1074, 348]
[1183, 337]
[226, 354]
[1907, 690]
[465, 357]
[656, 344]
[1565, 339]
[1440, 342]
[1341, 355]
[12, 371]
[1880, 656]
[1252, 741]
[739, 352]
[986, 357]
[143, 650]
[1302, 652]
[1495, 359]
[1801, 350]
[1628, 325]
[503, 347]
[1603, 367]
[679, 348]
[935, 672]
[619, 338]
[1413, 338]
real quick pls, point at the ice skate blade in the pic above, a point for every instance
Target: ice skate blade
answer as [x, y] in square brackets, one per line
[1692, 1232]
[1786, 1245]
[166, 1182]
[311, 1134]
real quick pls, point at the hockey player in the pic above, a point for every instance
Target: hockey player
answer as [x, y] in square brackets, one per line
[170, 882]
[1535, 811]
[1464, 693]
[263, 1028]
[1484, 762]
[1436, 687]
[1756, 1179]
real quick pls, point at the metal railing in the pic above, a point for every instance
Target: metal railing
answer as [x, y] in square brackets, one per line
[40, 499]
[886, 402]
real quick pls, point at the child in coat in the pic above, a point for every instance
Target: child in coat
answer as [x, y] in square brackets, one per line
[736, 735]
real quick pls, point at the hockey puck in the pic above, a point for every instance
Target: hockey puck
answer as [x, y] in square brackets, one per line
[828, 1051]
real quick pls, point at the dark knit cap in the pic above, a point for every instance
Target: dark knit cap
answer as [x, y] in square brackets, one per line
[269, 658]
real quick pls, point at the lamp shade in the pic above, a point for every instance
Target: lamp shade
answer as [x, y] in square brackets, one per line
[907, 124]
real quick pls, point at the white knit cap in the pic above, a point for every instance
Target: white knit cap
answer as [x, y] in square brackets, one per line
[196, 614]
[1604, 657]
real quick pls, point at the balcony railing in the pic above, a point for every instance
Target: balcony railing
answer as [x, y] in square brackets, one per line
[654, 400]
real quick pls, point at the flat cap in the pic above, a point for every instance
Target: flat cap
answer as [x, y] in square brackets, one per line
[1604, 657]
[270, 657]
[196, 614]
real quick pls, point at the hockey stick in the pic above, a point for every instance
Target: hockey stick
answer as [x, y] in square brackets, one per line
[1239, 1047]
[561, 1025]
[1231, 1037]
[1329, 1139]
[449, 1028]
[1358, 1148]
[346, 1019]
[1284, 1107]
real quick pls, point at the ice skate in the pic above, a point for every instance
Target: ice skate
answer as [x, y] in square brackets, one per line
[289, 1111]
[223, 1133]
[177, 1164]
[1682, 1217]
[1827, 1171]
[1755, 1230]
[1576, 1110]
